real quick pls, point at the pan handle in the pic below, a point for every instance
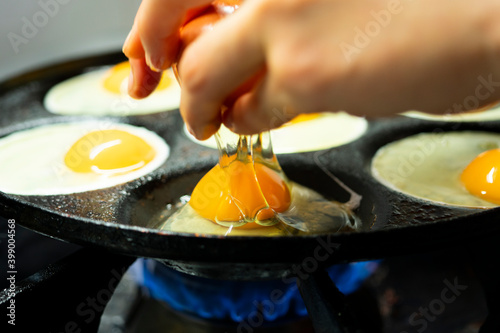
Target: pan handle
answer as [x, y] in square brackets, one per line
[68, 296]
[326, 305]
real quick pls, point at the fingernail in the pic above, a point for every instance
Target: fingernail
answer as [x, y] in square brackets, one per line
[156, 64]
[203, 133]
[161, 63]
[229, 120]
[130, 82]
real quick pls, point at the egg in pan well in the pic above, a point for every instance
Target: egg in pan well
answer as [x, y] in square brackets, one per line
[104, 92]
[248, 194]
[308, 212]
[309, 132]
[68, 158]
[451, 168]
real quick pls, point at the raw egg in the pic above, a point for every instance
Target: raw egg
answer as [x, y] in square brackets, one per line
[247, 193]
[104, 92]
[240, 193]
[77, 157]
[308, 212]
[309, 133]
[247, 189]
[445, 168]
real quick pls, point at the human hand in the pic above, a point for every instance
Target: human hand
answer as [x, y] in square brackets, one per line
[153, 42]
[423, 55]
[428, 56]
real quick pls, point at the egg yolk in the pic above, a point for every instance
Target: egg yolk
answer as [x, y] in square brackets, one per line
[481, 177]
[241, 192]
[120, 72]
[108, 152]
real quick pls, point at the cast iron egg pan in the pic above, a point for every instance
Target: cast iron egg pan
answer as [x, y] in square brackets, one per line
[119, 218]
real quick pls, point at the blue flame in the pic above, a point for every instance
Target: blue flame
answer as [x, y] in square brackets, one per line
[237, 300]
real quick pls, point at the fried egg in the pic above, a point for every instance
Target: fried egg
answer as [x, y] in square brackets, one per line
[453, 168]
[104, 92]
[77, 157]
[309, 132]
[481, 176]
[488, 113]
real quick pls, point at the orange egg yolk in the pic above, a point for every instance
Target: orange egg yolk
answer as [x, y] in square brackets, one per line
[108, 152]
[240, 192]
[481, 177]
[117, 74]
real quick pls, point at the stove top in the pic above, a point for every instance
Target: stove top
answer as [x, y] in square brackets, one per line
[437, 292]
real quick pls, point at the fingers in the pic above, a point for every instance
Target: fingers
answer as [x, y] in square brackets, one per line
[158, 23]
[152, 43]
[212, 66]
[142, 81]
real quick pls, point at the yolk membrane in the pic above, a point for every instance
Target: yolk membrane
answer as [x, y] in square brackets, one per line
[481, 177]
[120, 72]
[108, 152]
[240, 192]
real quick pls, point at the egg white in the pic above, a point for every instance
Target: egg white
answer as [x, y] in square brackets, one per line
[326, 131]
[486, 115]
[187, 220]
[428, 165]
[32, 161]
[85, 94]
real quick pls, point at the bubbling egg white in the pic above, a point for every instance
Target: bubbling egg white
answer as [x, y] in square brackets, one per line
[104, 92]
[77, 157]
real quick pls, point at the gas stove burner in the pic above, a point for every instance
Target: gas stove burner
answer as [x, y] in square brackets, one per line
[238, 301]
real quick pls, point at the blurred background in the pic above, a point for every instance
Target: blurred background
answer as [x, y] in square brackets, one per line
[44, 32]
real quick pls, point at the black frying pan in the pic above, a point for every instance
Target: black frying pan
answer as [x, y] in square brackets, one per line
[120, 218]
